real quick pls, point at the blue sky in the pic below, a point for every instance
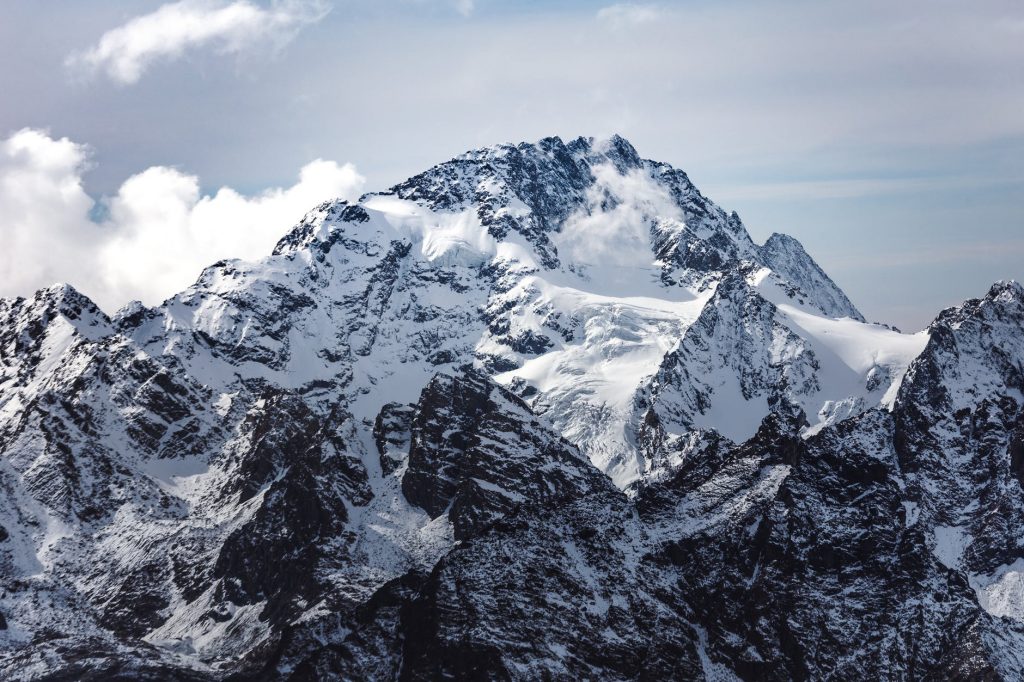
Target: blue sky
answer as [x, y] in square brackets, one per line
[888, 139]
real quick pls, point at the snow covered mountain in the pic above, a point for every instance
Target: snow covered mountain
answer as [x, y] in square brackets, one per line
[542, 411]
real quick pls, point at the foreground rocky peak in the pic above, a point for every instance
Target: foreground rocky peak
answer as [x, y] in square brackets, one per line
[543, 410]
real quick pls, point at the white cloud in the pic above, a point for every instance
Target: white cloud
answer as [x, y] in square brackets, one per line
[614, 228]
[628, 14]
[158, 232]
[124, 53]
[43, 211]
[465, 7]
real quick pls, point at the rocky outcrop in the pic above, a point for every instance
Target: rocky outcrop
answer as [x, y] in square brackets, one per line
[477, 453]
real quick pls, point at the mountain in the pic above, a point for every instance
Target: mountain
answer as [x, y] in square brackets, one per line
[541, 411]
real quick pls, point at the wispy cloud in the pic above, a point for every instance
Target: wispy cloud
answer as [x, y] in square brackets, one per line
[628, 14]
[619, 236]
[158, 231]
[126, 52]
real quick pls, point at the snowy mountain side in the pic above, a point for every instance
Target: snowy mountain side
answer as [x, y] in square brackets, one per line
[543, 410]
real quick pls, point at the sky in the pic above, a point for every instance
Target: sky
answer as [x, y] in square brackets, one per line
[142, 140]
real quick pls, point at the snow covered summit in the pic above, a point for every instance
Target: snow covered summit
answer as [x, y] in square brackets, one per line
[590, 264]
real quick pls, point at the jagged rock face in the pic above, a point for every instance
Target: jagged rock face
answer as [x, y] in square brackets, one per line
[542, 411]
[800, 565]
[477, 453]
[737, 356]
[746, 356]
[786, 257]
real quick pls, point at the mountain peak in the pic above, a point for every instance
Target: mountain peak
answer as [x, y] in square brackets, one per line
[617, 150]
[787, 257]
[1004, 299]
[63, 299]
[1006, 289]
[589, 203]
[61, 292]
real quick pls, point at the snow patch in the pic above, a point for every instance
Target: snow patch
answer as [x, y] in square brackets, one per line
[950, 543]
[448, 238]
[1002, 593]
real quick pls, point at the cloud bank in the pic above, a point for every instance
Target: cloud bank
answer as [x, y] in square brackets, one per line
[157, 232]
[124, 53]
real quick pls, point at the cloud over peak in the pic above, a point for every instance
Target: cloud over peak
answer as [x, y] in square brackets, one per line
[124, 53]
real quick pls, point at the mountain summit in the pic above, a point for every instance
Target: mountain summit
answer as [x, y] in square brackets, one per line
[541, 411]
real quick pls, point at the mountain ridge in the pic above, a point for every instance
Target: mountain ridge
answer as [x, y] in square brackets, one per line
[536, 385]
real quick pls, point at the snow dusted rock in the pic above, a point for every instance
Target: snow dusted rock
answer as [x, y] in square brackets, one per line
[733, 366]
[786, 258]
[541, 411]
[478, 453]
[745, 357]
[881, 547]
